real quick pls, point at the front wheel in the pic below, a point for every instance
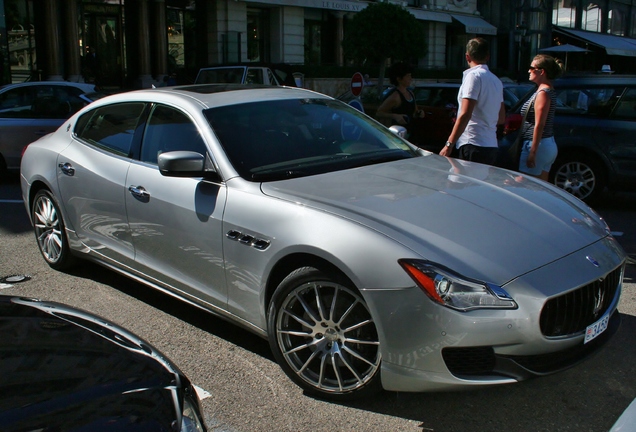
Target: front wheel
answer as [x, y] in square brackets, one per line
[50, 232]
[580, 175]
[322, 334]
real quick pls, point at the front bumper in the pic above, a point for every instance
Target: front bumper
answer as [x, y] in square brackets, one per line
[428, 347]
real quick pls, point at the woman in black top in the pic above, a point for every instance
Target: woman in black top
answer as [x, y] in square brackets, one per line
[399, 107]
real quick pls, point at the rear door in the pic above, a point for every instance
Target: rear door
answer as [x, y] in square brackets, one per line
[581, 110]
[439, 102]
[92, 174]
[619, 133]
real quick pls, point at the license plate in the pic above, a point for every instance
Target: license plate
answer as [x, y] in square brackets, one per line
[593, 330]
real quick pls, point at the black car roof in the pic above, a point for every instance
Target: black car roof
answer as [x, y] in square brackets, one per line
[596, 80]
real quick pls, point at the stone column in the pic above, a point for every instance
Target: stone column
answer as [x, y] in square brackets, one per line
[145, 78]
[71, 44]
[51, 41]
[160, 38]
[339, 36]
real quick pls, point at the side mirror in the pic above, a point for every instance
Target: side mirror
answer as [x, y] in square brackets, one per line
[185, 164]
[398, 130]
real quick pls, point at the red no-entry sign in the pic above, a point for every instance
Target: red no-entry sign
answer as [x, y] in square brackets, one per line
[357, 82]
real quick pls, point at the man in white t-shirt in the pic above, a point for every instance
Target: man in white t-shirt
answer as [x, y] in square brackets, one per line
[481, 109]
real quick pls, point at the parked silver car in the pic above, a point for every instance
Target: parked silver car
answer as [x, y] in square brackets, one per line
[32, 109]
[367, 263]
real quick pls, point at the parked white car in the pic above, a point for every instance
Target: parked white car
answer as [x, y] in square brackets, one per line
[274, 74]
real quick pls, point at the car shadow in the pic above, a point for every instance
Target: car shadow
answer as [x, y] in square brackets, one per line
[194, 316]
[13, 215]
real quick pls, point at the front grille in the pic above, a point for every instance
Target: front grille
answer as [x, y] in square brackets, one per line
[571, 313]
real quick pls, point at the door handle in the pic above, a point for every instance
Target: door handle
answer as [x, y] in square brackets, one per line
[67, 169]
[140, 193]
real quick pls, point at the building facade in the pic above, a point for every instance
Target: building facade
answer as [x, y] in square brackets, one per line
[138, 43]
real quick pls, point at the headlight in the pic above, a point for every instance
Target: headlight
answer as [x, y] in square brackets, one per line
[190, 419]
[456, 292]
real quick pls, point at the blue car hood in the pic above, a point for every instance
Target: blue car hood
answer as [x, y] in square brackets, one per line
[487, 222]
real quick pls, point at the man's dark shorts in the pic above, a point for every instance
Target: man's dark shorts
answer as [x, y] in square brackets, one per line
[473, 153]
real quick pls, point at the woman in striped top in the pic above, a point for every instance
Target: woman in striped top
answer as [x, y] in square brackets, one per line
[539, 149]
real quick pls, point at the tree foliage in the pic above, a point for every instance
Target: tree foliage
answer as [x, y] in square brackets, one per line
[384, 31]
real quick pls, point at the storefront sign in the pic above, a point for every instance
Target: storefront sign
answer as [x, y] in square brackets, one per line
[343, 6]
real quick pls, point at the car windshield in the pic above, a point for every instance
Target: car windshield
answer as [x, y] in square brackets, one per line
[222, 75]
[280, 139]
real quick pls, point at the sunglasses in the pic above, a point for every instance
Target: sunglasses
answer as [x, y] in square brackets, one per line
[532, 68]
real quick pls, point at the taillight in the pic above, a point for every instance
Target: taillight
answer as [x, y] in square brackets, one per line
[23, 150]
[513, 123]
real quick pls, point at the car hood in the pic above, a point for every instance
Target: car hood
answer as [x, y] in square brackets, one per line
[484, 222]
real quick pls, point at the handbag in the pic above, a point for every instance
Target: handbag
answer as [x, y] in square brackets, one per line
[514, 151]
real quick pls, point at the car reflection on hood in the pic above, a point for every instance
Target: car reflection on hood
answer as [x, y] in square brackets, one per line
[66, 369]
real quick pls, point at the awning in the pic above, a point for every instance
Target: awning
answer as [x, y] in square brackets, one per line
[614, 45]
[425, 15]
[475, 24]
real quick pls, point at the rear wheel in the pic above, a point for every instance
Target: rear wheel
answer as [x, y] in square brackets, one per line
[579, 175]
[323, 336]
[50, 231]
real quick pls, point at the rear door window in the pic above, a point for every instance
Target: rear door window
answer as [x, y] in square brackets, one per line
[626, 107]
[111, 127]
[587, 101]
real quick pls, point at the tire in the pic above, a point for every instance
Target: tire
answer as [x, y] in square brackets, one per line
[50, 231]
[323, 336]
[580, 175]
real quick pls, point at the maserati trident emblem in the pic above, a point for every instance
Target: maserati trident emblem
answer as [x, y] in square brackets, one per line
[598, 301]
[593, 261]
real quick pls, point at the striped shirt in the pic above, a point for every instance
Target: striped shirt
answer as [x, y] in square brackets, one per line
[528, 127]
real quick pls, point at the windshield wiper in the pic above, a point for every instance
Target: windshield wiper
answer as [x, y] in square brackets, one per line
[278, 175]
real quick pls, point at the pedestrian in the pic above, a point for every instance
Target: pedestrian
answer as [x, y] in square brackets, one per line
[481, 109]
[539, 150]
[400, 106]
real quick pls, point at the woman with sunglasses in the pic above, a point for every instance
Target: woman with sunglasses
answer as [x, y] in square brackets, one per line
[539, 150]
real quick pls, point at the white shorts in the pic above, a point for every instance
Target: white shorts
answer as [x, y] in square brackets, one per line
[545, 157]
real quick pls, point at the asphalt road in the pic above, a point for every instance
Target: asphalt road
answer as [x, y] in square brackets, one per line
[249, 392]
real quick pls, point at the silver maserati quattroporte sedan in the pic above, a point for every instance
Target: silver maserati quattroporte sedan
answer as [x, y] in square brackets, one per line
[366, 262]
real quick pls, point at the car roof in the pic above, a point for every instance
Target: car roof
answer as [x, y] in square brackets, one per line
[88, 88]
[214, 95]
[596, 79]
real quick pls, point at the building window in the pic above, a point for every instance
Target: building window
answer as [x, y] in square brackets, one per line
[592, 17]
[617, 20]
[256, 30]
[564, 13]
[176, 45]
[313, 42]
[18, 15]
